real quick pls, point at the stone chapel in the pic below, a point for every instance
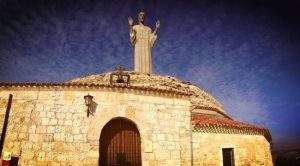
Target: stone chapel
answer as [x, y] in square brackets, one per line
[126, 118]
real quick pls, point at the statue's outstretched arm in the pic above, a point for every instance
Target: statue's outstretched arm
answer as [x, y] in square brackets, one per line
[131, 31]
[154, 33]
[157, 25]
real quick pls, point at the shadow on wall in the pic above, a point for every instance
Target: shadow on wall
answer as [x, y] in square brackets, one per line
[94, 106]
[92, 109]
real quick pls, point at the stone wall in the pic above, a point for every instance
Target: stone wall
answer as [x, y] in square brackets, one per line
[51, 126]
[3, 104]
[249, 150]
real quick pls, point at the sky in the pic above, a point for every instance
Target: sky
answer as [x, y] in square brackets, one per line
[245, 53]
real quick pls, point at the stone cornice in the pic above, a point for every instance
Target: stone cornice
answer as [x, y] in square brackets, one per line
[106, 87]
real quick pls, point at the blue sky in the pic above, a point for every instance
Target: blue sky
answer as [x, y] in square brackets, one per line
[246, 53]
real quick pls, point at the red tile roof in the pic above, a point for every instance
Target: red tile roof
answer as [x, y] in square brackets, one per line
[206, 121]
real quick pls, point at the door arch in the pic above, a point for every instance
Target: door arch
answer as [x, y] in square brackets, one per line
[120, 144]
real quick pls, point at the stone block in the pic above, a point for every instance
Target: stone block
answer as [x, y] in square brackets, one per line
[93, 154]
[58, 147]
[34, 137]
[59, 129]
[61, 156]
[148, 146]
[50, 114]
[50, 129]
[59, 137]
[56, 163]
[68, 122]
[22, 136]
[27, 146]
[78, 137]
[68, 115]
[45, 121]
[153, 163]
[27, 154]
[175, 154]
[40, 156]
[69, 138]
[43, 114]
[160, 137]
[76, 130]
[41, 129]
[53, 121]
[60, 115]
[23, 128]
[162, 155]
[47, 137]
[32, 129]
[61, 121]
[47, 147]
[76, 122]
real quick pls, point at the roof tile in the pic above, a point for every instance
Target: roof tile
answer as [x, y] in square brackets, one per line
[204, 120]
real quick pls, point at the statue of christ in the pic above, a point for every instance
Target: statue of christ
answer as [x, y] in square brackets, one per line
[142, 39]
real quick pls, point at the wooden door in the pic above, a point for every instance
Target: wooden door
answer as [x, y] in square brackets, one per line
[228, 157]
[120, 144]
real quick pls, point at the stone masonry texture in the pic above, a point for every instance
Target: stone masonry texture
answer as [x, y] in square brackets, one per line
[48, 125]
[51, 127]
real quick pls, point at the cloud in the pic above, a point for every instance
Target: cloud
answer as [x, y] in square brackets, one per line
[241, 99]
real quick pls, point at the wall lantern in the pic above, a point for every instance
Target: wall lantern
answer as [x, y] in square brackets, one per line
[88, 102]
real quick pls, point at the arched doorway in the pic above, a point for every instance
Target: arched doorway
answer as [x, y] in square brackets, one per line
[120, 144]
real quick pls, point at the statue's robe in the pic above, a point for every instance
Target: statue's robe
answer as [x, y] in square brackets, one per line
[143, 40]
